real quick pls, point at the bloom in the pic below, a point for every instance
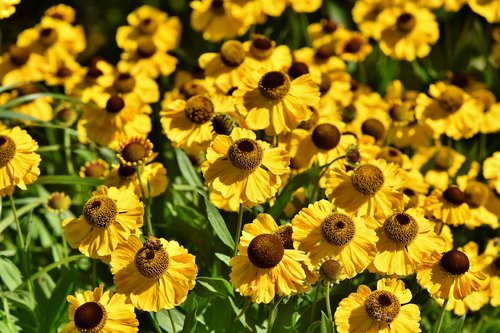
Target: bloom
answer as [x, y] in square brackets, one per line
[95, 311]
[266, 264]
[381, 310]
[155, 275]
[18, 160]
[111, 215]
[243, 168]
[448, 206]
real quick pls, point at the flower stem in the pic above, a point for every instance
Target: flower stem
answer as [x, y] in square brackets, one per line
[171, 320]
[147, 208]
[238, 229]
[154, 321]
[313, 309]
[67, 151]
[441, 315]
[327, 296]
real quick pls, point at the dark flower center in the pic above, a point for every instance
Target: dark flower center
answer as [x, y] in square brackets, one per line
[125, 83]
[406, 22]
[63, 72]
[353, 45]
[476, 194]
[245, 154]
[148, 26]
[232, 53]
[330, 270]
[399, 113]
[391, 155]
[152, 260]
[222, 123]
[401, 228]
[115, 104]
[261, 47]
[19, 55]
[454, 195]
[58, 201]
[367, 179]
[326, 136]
[90, 317]
[134, 152]
[443, 159]
[126, 171]
[329, 26]
[146, 47]
[217, 7]
[413, 198]
[274, 85]
[348, 114]
[382, 306]
[48, 36]
[284, 233]
[373, 127]
[192, 88]
[199, 109]
[95, 170]
[455, 262]
[322, 53]
[100, 211]
[338, 229]
[266, 251]
[298, 69]
[7, 150]
[451, 99]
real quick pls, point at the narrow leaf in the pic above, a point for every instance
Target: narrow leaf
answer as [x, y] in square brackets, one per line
[11, 275]
[187, 169]
[190, 320]
[68, 180]
[218, 223]
[326, 324]
[208, 287]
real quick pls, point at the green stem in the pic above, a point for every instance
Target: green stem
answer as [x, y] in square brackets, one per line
[441, 315]
[154, 321]
[67, 151]
[327, 296]
[147, 208]
[315, 192]
[171, 320]
[50, 267]
[314, 303]
[64, 244]
[238, 229]
[94, 272]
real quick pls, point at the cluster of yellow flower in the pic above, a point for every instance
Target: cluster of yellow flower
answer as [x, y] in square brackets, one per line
[254, 116]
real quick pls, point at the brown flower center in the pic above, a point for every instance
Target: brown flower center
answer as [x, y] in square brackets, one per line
[406, 22]
[134, 151]
[222, 123]
[63, 72]
[284, 233]
[126, 171]
[373, 127]
[455, 262]
[476, 194]
[27, 89]
[400, 113]
[330, 270]
[192, 88]
[217, 7]
[245, 154]
[199, 109]
[100, 211]
[19, 55]
[326, 136]
[95, 170]
[266, 251]
[48, 36]
[391, 155]
[261, 47]
[322, 53]
[148, 26]
[353, 45]
[349, 114]
[7, 150]
[401, 228]
[367, 179]
[326, 83]
[274, 85]
[125, 83]
[451, 99]
[90, 317]
[454, 195]
[329, 26]
[338, 229]
[486, 97]
[115, 104]
[232, 53]
[152, 260]
[382, 306]
[443, 159]
[59, 201]
[413, 198]
[146, 47]
[298, 69]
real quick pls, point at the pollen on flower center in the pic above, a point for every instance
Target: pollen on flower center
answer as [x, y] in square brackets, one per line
[266, 251]
[19, 55]
[284, 233]
[455, 262]
[261, 47]
[338, 229]
[152, 260]
[274, 85]
[326, 136]
[115, 104]
[401, 228]
[232, 53]
[245, 154]
[406, 22]
[199, 109]
[125, 83]
[382, 306]
[454, 195]
[451, 99]
[100, 211]
[7, 150]
[373, 127]
[367, 179]
[146, 47]
[90, 317]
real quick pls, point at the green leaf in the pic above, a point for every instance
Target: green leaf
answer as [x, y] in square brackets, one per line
[313, 327]
[190, 320]
[218, 223]
[11, 275]
[164, 319]
[68, 180]
[32, 97]
[455, 327]
[208, 287]
[224, 258]
[284, 318]
[9, 219]
[187, 169]
[326, 324]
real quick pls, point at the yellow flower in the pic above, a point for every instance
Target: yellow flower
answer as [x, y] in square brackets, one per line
[371, 189]
[321, 62]
[111, 215]
[149, 21]
[352, 46]
[365, 14]
[58, 202]
[489, 9]
[218, 19]
[18, 160]
[95, 311]
[21, 65]
[491, 109]
[155, 275]
[269, 56]
[381, 310]
[448, 206]
[267, 264]
[323, 33]
[154, 174]
[405, 240]
[95, 169]
[489, 261]
[61, 12]
[450, 111]
[244, 169]
[305, 6]
[273, 102]
[449, 275]
[477, 196]
[7, 8]
[407, 31]
[65, 72]
[491, 165]
[39, 108]
[321, 232]
[135, 151]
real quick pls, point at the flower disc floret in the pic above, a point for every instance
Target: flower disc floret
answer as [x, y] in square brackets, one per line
[7, 150]
[115, 104]
[266, 251]
[199, 109]
[152, 260]
[326, 136]
[284, 233]
[454, 195]
[245, 154]
[367, 179]
[382, 306]
[125, 83]
[100, 211]
[451, 99]
[455, 262]
[374, 128]
[146, 47]
[90, 317]
[338, 229]
[406, 22]
[232, 53]
[274, 85]
[401, 228]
